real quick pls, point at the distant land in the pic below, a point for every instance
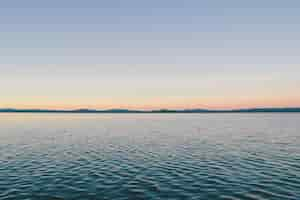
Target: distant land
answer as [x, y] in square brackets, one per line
[246, 110]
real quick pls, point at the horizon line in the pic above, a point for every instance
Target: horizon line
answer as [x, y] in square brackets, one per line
[161, 110]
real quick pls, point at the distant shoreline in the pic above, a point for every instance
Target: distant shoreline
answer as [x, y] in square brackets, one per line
[127, 111]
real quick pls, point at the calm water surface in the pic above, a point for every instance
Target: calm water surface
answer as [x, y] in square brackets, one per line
[149, 156]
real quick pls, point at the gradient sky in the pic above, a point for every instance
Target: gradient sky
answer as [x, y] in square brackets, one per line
[149, 54]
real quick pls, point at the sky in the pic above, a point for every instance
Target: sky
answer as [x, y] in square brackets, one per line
[140, 54]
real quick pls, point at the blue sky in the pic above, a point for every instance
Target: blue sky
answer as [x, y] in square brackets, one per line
[149, 54]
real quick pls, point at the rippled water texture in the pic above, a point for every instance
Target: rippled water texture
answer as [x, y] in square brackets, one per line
[149, 156]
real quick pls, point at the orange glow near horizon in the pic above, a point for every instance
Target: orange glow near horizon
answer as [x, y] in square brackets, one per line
[166, 104]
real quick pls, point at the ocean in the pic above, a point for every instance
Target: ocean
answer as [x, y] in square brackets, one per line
[149, 156]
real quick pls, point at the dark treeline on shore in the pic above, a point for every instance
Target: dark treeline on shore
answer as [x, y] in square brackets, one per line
[249, 110]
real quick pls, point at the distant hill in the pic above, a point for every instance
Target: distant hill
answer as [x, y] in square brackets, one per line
[249, 110]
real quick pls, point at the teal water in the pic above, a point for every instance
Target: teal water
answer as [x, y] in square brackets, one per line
[149, 156]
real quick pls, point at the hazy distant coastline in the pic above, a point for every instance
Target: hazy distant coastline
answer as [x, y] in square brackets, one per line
[246, 110]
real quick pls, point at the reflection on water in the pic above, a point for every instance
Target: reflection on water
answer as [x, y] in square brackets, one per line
[149, 156]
